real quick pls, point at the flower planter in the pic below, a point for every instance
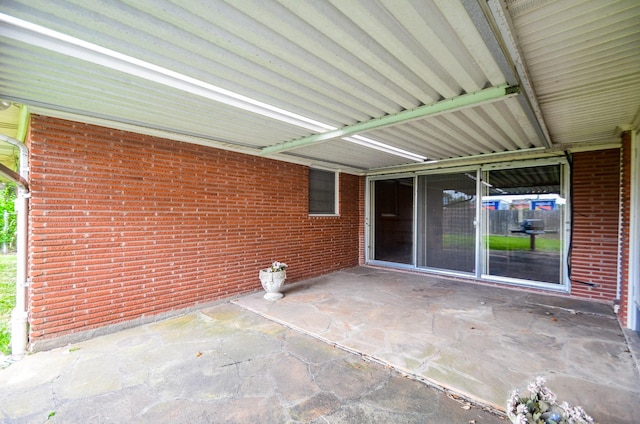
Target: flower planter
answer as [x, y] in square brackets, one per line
[272, 282]
[541, 406]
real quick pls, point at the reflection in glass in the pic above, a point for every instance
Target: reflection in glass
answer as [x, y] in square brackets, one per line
[523, 213]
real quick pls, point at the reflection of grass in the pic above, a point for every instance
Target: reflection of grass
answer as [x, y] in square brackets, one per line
[522, 243]
[456, 241]
[515, 242]
[7, 299]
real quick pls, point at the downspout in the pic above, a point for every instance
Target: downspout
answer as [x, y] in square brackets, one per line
[19, 315]
[633, 320]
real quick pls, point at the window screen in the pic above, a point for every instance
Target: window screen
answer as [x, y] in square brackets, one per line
[322, 192]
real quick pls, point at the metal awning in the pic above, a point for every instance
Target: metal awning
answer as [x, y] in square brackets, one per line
[355, 85]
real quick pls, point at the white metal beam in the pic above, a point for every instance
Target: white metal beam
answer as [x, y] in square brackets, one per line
[466, 100]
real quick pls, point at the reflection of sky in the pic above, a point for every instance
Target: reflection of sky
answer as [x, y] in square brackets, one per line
[510, 198]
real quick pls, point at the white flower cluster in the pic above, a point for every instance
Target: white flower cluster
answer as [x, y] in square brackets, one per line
[539, 389]
[277, 266]
[575, 414]
[541, 407]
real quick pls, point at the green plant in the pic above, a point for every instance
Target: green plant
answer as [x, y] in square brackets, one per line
[8, 215]
[277, 267]
[7, 299]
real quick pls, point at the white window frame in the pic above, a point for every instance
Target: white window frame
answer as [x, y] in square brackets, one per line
[336, 192]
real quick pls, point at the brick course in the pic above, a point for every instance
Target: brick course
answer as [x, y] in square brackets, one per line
[124, 225]
[625, 220]
[596, 200]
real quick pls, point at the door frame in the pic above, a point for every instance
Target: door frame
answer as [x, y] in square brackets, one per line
[565, 186]
[369, 221]
[475, 169]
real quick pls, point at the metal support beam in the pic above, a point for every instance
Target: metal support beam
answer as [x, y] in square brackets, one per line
[23, 123]
[12, 175]
[466, 100]
[502, 19]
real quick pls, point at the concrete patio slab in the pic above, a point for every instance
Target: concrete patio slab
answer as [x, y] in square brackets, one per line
[221, 364]
[477, 341]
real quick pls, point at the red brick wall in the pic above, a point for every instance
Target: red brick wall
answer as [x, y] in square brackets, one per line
[596, 199]
[124, 225]
[625, 221]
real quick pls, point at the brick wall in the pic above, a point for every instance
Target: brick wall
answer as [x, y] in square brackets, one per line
[124, 225]
[596, 199]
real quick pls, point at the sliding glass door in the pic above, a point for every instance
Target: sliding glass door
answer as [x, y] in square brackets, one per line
[393, 220]
[502, 222]
[446, 217]
[523, 211]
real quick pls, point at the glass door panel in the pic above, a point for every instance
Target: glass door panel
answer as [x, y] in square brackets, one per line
[446, 216]
[393, 220]
[523, 212]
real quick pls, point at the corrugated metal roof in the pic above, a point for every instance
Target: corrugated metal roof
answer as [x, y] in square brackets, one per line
[314, 66]
[584, 57]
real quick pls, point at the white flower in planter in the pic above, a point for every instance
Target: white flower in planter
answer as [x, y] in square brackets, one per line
[277, 266]
[272, 279]
[541, 407]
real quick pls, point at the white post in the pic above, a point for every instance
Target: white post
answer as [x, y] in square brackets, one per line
[19, 316]
[633, 302]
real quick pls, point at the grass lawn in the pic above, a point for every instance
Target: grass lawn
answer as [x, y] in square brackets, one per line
[513, 242]
[7, 299]
[523, 243]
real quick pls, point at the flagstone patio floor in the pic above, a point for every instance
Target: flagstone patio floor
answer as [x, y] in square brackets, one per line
[479, 342]
[363, 345]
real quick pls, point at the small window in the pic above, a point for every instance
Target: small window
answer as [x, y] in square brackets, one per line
[322, 192]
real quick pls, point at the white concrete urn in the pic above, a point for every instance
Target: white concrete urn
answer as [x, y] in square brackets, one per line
[272, 282]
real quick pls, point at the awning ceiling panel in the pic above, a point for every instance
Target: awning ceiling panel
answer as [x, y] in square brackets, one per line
[107, 97]
[584, 58]
[494, 127]
[345, 154]
[253, 74]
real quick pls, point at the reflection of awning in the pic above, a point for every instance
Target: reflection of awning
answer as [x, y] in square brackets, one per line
[14, 120]
[536, 179]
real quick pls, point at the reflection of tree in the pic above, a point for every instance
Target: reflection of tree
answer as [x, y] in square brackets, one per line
[452, 198]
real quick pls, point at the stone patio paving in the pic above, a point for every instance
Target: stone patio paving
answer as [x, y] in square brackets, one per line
[363, 345]
[477, 341]
[222, 364]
